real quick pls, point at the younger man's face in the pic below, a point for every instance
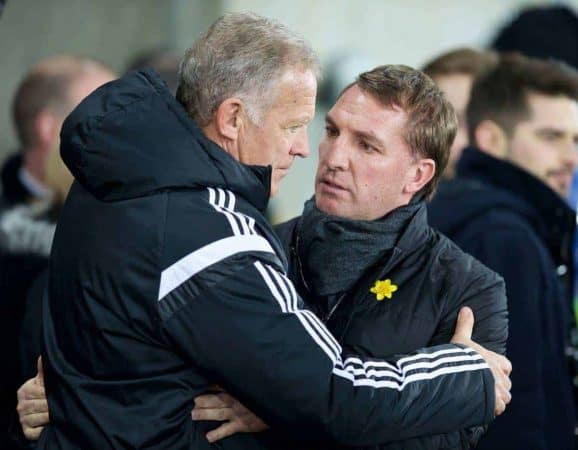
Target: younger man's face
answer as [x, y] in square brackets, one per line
[546, 144]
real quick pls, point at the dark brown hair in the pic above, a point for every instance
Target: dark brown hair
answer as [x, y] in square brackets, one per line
[431, 121]
[467, 61]
[501, 94]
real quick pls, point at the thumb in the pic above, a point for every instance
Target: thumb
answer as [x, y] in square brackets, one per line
[40, 368]
[464, 325]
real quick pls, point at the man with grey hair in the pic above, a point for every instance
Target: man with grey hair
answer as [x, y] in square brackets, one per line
[175, 281]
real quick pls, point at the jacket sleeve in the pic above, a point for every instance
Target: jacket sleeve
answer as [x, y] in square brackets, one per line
[515, 256]
[240, 321]
[485, 292]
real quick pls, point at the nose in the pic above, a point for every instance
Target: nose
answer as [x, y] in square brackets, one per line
[300, 145]
[335, 155]
[570, 155]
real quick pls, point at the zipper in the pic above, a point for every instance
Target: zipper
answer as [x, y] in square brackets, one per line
[330, 313]
[326, 317]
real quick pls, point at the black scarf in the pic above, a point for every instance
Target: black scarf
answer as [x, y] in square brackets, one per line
[335, 251]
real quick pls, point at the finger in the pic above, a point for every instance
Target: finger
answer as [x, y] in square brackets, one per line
[26, 407]
[40, 368]
[32, 434]
[227, 399]
[31, 390]
[507, 397]
[464, 324]
[35, 420]
[218, 414]
[225, 430]
[500, 407]
[507, 383]
[209, 401]
[507, 366]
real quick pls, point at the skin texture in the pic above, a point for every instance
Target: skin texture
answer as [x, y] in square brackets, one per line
[366, 169]
[456, 87]
[546, 145]
[279, 136]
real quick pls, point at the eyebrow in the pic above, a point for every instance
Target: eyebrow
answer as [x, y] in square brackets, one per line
[300, 121]
[369, 135]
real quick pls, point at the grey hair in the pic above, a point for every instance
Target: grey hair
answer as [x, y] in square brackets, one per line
[241, 55]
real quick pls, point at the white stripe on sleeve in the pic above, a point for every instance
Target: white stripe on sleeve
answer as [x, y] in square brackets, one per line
[377, 374]
[188, 266]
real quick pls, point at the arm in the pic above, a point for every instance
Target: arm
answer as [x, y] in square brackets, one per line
[238, 419]
[282, 363]
[485, 293]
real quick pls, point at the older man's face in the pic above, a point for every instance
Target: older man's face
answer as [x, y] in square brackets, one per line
[282, 132]
[364, 162]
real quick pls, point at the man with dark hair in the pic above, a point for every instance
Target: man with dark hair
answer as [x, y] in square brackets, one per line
[454, 72]
[506, 207]
[179, 282]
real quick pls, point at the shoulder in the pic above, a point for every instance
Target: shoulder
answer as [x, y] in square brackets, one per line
[460, 267]
[210, 217]
[286, 230]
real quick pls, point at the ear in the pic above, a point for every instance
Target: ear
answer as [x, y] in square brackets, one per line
[420, 174]
[492, 139]
[47, 129]
[229, 118]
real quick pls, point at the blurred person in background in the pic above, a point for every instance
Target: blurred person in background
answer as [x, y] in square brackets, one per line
[545, 32]
[45, 96]
[454, 72]
[30, 205]
[147, 349]
[164, 61]
[506, 207]
[549, 32]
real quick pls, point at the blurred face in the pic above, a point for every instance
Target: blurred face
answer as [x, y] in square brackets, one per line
[364, 162]
[53, 119]
[282, 132]
[85, 84]
[456, 88]
[546, 144]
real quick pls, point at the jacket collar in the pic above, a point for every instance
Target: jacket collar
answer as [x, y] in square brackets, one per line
[552, 218]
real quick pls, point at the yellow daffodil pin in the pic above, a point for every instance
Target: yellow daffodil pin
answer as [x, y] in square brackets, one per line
[383, 289]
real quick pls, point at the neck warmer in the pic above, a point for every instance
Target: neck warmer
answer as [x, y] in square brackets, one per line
[335, 251]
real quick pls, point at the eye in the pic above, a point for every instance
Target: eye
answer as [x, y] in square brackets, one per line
[368, 148]
[551, 136]
[294, 129]
[331, 131]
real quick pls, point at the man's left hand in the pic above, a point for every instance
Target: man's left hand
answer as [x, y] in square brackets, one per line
[223, 407]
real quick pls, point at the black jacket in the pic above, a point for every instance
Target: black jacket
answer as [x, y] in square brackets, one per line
[434, 279]
[13, 191]
[521, 229]
[25, 238]
[165, 278]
